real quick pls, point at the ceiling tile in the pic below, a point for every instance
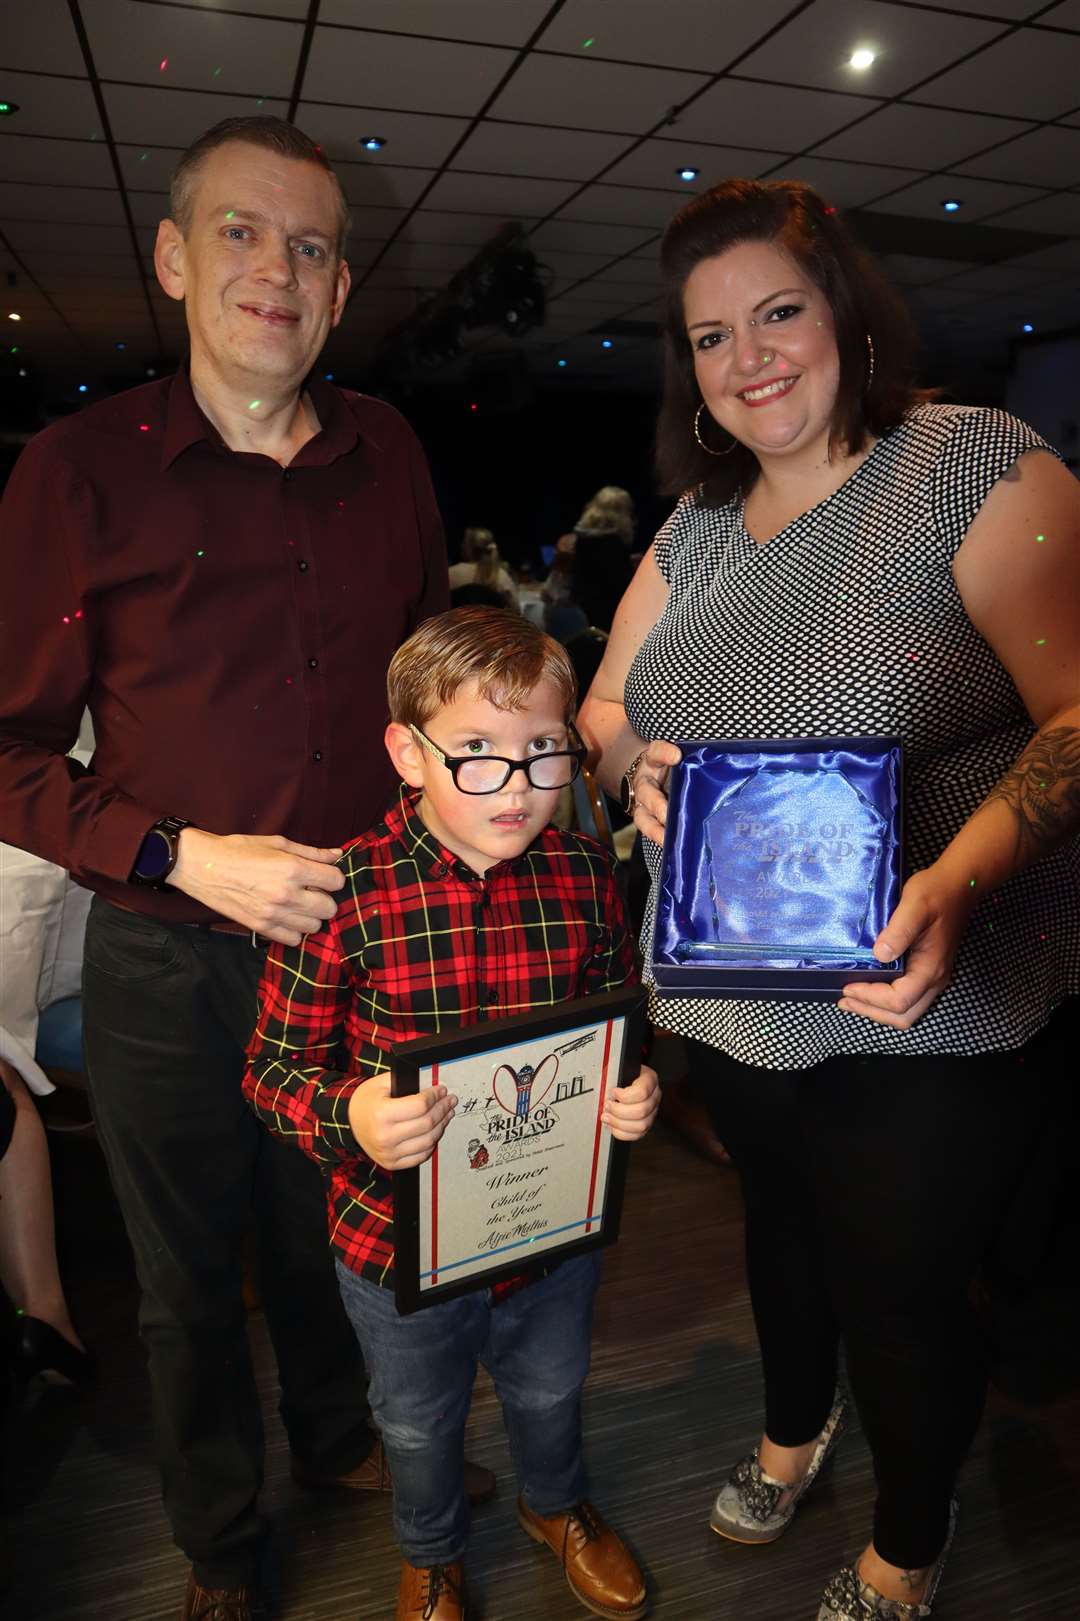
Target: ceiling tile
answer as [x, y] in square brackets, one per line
[149, 207]
[276, 8]
[499, 194]
[411, 138]
[1028, 75]
[923, 135]
[1007, 10]
[678, 33]
[579, 237]
[77, 205]
[909, 270]
[35, 236]
[32, 159]
[571, 267]
[555, 154]
[635, 273]
[657, 163]
[1007, 278]
[979, 197]
[155, 116]
[52, 106]
[385, 187]
[39, 35]
[387, 70]
[148, 168]
[378, 223]
[1063, 256]
[436, 225]
[1067, 15]
[780, 116]
[480, 20]
[387, 277]
[593, 95]
[177, 47]
[845, 185]
[447, 257]
[1058, 215]
[816, 46]
[1047, 157]
[624, 205]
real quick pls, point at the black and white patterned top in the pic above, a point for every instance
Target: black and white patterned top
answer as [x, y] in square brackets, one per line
[849, 622]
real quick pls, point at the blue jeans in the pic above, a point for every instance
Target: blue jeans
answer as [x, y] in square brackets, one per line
[422, 1368]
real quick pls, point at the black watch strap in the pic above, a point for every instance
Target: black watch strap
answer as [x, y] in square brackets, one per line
[158, 853]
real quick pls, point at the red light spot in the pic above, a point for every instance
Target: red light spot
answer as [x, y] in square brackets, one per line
[67, 619]
[474, 407]
[78, 614]
[830, 210]
[341, 504]
[164, 64]
[144, 427]
[288, 680]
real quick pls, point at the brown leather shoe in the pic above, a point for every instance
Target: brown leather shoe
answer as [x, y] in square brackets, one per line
[219, 1603]
[435, 1594]
[602, 1572]
[373, 1475]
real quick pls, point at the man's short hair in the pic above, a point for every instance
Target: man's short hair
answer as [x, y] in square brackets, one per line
[273, 134]
[504, 653]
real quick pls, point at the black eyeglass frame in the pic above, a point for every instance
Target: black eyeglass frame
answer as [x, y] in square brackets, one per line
[454, 762]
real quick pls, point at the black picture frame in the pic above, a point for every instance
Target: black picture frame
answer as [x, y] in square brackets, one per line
[412, 1061]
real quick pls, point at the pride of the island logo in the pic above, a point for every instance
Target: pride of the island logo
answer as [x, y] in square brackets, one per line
[516, 1108]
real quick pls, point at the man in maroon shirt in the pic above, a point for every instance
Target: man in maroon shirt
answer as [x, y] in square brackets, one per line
[220, 565]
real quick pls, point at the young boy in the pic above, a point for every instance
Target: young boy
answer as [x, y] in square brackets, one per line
[462, 904]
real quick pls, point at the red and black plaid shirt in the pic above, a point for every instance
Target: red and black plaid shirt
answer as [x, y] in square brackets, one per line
[420, 944]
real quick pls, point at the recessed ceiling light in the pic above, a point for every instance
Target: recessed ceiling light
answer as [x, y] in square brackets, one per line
[82, 388]
[7, 108]
[22, 371]
[1027, 327]
[121, 345]
[373, 143]
[560, 363]
[605, 343]
[950, 204]
[151, 371]
[14, 316]
[862, 59]
[328, 377]
[687, 173]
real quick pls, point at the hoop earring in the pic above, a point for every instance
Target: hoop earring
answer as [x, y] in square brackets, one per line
[700, 440]
[870, 352]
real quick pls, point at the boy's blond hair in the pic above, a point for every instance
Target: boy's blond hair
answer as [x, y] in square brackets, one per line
[503, 652]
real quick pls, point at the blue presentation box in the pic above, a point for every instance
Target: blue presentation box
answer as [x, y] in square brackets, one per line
[783, 860]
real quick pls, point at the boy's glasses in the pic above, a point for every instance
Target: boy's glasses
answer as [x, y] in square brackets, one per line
[487, 773]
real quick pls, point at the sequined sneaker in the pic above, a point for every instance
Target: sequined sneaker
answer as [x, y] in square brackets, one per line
[849, 1598]
[747, 1507]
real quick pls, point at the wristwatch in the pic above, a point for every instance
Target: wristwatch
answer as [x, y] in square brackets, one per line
[158, 853]
[627, 796]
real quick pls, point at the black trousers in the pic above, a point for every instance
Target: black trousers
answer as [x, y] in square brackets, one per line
[166, 1013]
[873, 1189]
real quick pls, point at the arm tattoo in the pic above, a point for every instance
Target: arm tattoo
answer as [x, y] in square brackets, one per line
[1043, 791]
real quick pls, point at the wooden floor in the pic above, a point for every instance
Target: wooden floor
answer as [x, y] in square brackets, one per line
[673, 1400]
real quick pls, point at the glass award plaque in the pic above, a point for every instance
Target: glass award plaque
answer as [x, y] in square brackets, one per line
[782, 863]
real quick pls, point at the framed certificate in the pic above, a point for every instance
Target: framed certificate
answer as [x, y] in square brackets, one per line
[525, 1171]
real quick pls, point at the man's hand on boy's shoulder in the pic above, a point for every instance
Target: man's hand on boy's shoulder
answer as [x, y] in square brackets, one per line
[398, 1133]
[630, 1110]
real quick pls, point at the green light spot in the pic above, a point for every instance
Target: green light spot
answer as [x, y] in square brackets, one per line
[143, 157]
[971, 883]
[14, 349]
[586, 43]
[200, 553]
[1040, 539]
[217, 73]
[230, 214]
[1041, 642]
[260, 101]
[254, 406]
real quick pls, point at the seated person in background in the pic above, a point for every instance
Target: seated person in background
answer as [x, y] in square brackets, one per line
[481, 704]
[602, 569]
[481, 564]
[42, 924]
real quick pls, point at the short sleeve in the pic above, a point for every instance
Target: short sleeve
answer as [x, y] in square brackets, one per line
[982, 447]
[671, 535]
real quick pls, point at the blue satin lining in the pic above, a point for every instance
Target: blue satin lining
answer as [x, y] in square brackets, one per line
[785, 858]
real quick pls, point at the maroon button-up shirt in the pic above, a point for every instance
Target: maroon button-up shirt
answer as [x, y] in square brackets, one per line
[227, 621]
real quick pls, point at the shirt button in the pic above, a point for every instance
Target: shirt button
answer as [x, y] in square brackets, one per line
[438, 870]
[287, 475]
[317, 755]
[302, 567]
[313, 664]
[492, 995]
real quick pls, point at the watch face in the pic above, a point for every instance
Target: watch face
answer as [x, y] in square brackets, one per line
[154, 856]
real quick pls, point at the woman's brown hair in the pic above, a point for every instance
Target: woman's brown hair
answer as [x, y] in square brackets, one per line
[793, 218]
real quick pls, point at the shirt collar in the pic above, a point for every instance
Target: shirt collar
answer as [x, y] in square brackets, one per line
[185, 424]
[433, 858]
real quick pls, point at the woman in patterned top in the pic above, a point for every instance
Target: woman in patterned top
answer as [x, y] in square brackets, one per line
[851, 558]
